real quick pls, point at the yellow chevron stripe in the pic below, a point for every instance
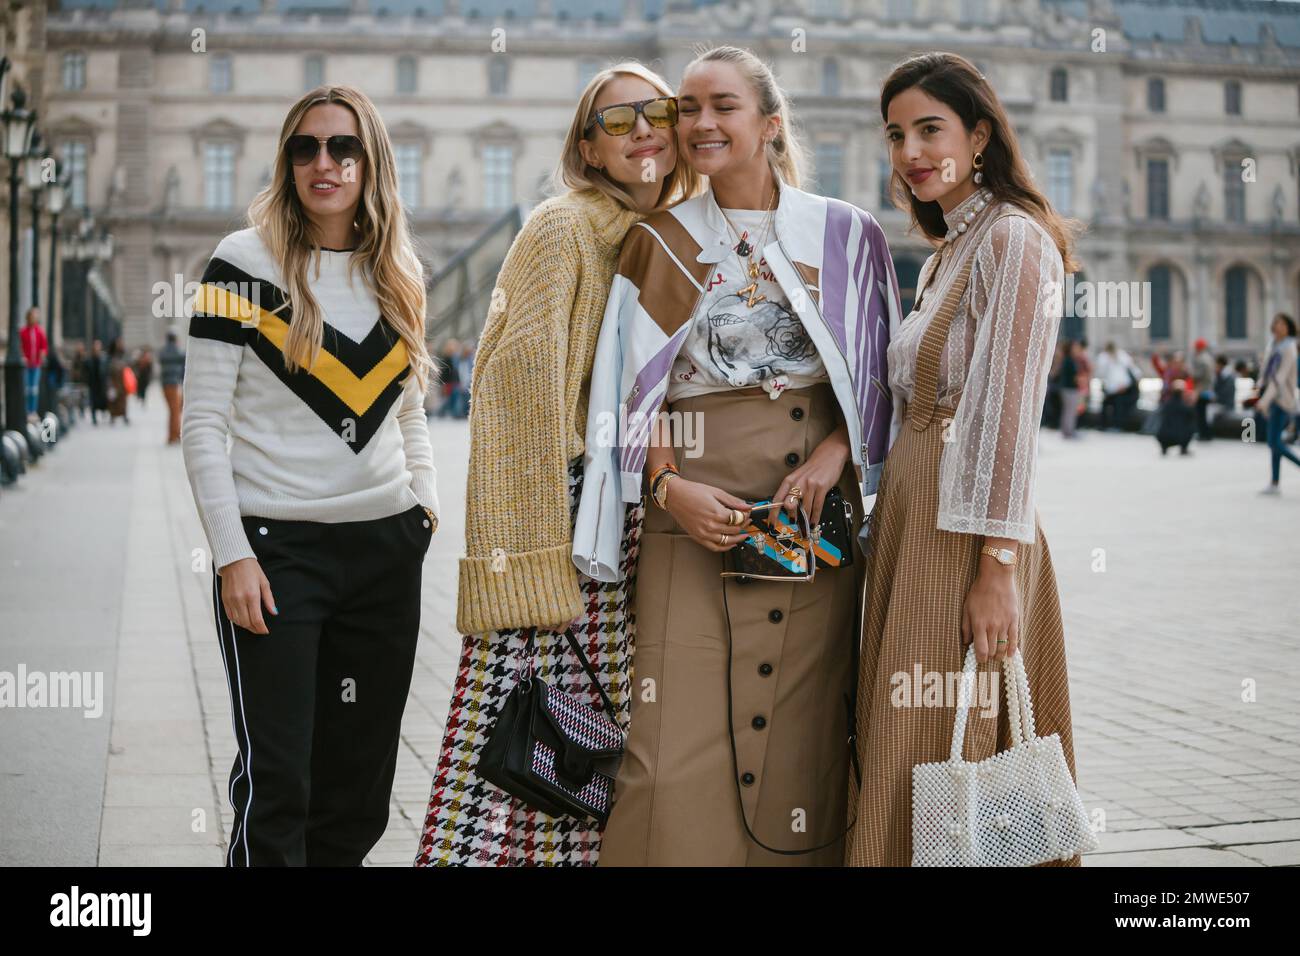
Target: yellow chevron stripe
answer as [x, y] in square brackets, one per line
[357, 393]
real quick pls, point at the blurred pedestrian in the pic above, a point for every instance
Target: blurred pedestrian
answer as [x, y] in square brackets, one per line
[465, 372]
[172, 360]
[34, 346]
[1278, 399]
[1225, 384]
[1203, 384]
[1067, 382]
[143, 372]
[450, 377]
[1177, 413]
[1119, 376]
[117, 385]
[97, 380]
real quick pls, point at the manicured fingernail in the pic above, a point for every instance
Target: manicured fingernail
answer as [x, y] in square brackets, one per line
[274, 609]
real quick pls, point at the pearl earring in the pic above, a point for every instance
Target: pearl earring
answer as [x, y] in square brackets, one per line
[978, 162]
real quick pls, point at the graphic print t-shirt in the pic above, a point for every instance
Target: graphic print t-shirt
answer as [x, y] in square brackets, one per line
[731, 345]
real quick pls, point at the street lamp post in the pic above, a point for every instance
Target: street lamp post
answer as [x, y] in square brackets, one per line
[54, 196]
[18, 121]
[34, 170]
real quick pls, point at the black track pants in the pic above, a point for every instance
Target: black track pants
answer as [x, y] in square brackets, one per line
[317, 703]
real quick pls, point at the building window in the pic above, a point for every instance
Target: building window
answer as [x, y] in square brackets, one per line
[1156, 95]
[975, 11]
[1060, 180]
[1232, 98]
[1234, 192]
[409, 157]
[1060, 85]
[74, 71]
[74, 160]
[219, 78]
[884, 178]
[219, 175]
[1157, 189]
[899, 9]
[1161, 313]
[406, 74]
[588, 67]
[498, 176]
[830, 169]
[498, 75]
[313, 71]
[1234, 294]
[830, 76]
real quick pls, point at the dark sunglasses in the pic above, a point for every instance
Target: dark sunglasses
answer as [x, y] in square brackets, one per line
[660, 113]
[303, 149]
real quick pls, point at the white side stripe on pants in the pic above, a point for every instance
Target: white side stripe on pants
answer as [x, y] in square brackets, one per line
[236, 694]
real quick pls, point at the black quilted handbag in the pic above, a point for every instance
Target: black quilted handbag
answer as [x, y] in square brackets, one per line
[552, 751]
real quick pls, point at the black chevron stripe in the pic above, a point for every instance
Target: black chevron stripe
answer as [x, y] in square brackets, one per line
[359, 357]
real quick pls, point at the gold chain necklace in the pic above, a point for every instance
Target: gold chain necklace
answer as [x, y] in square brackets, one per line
[746, 252]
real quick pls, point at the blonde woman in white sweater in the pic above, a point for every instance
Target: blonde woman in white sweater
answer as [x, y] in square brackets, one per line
[307, 348]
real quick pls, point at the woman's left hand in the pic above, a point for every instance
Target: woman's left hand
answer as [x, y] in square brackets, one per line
[816, 476]
[991, 613]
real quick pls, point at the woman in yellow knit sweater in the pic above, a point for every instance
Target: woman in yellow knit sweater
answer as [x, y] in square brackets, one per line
[518, 584]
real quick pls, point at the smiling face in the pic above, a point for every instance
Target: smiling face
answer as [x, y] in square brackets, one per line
[326, 189]
[627, 159]
[924, 133]
[722, 131]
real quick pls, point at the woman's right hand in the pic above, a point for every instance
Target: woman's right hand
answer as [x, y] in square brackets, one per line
[702, 511]
[244, 590]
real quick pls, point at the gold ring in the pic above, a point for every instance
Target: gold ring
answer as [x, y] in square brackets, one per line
[1002, 642]
[722, 540]
[734, 517]
[795, 492]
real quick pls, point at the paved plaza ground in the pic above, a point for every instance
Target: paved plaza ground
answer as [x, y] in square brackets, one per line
[1180, 588]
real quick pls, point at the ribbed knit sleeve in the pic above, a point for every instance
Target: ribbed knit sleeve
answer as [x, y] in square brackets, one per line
[414, 423]
[214, 350]
[517, 571]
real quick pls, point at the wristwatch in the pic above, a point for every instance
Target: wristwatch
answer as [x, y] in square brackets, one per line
[1004, 556]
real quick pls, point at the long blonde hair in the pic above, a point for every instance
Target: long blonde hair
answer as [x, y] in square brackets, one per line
[572, 171]
[785, 153]
[385, 253]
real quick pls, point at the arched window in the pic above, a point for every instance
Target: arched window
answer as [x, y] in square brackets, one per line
[1060, 85]
[1161, 312]
[1235, 286]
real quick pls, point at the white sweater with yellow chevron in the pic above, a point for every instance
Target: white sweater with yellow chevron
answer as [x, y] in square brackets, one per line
[347, 441]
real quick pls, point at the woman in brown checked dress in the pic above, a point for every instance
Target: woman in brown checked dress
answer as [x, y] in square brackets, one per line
[957, 554]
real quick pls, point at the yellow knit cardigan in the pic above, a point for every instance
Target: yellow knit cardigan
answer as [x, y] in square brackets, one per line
[528, 414]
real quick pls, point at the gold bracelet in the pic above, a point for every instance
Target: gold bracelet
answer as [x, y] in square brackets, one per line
[660, 494]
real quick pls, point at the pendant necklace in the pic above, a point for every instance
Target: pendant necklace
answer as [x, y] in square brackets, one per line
[746, 252]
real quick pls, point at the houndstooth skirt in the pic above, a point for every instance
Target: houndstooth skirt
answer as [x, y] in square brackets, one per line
[470, 822]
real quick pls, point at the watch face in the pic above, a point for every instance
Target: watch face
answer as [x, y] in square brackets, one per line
[1006, 555]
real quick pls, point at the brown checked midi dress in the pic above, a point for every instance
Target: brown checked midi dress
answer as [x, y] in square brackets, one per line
[971, 367]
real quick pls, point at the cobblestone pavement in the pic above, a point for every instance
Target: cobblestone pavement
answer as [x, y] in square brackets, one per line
[1178, 582]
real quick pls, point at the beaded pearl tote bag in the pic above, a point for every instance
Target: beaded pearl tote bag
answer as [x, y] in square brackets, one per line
[1017, 808]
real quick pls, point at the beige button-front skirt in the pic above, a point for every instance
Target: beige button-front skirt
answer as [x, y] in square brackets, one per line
[792, 667]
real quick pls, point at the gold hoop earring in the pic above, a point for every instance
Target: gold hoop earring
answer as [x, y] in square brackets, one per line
[977, 161]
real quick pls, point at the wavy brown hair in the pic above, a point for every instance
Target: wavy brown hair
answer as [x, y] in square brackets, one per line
[954, 81]
[385, 255]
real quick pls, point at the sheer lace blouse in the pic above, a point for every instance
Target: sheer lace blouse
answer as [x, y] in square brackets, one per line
[996, 359]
